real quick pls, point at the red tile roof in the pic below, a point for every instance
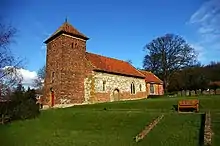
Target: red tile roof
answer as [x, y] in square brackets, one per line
[68, 29]
[112, 65]
[150, 77]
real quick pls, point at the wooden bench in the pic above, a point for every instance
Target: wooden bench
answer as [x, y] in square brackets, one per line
[189, 104]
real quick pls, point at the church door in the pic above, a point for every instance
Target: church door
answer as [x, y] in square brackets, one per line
[116, 95]
[52, 98]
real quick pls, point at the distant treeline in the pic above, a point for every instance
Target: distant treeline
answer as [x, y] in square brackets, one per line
[196, 78]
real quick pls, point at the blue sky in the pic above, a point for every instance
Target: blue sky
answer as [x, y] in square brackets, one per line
[116, 28]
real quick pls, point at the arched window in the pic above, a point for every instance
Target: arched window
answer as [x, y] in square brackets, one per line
[140, 87]
[152, 88]
[132, 88]
[103, 85]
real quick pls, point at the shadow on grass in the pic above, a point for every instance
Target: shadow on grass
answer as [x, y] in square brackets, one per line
[201, 130]
[175, 108]
[202, 126]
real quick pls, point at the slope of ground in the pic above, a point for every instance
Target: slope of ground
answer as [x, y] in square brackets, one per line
[175, 130]
[114, 123]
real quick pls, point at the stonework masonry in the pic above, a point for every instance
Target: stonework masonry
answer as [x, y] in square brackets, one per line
[114, 84]
[72, 73]
[66, 69]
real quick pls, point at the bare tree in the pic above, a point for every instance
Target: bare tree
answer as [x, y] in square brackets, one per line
[168, 54]
[9, 75]
[38, 83]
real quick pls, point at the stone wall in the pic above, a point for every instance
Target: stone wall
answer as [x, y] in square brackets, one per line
[66, 59]
[161, 91]
[116, 87]
[73, 69]
[158, 89]
[53, 64]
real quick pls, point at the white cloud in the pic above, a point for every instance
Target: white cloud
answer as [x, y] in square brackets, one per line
[207, 18]
[200, 50]
[205, 30]
[207, 21]
[28, 76]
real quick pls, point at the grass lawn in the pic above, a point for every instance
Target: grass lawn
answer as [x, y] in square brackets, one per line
[216, 128]
[90, 125]
[175, 129]
[76, 128]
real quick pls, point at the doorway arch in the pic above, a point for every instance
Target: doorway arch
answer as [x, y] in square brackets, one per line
[116, 94]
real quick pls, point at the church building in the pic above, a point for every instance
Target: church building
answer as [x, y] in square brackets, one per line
[75, 76]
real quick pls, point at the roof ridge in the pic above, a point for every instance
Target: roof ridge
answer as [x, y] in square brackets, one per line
[150, 73]
[107, 57]
[139, 70]
[145, 71]
[157, 77]
[67, 24]
[125, 65]
[135, 69]
[90, 62]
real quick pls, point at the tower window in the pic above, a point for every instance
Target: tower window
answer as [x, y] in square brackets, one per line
[72, 45]
[53, 75]
[132, 88]
[140, 87]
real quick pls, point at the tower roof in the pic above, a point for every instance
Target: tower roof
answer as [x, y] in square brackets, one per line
[67, 28]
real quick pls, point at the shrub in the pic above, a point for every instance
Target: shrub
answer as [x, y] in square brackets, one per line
[22, 105]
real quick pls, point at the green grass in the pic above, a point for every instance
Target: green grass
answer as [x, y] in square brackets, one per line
[216, 128]
[181, 130]
[155, 105]
[90, 125]
[76, 128]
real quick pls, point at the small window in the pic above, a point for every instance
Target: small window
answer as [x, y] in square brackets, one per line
[132, 88]
[152, 88]
[53, 75]
[140, 86]
[72, 45]
[76, 44]
[103, 85]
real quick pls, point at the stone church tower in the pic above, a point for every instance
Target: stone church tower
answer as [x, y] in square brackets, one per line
[65, 65]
